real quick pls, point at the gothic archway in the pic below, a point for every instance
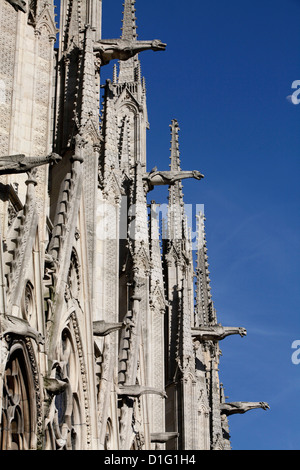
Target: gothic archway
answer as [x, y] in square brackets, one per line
[68, 423]
[18, 429]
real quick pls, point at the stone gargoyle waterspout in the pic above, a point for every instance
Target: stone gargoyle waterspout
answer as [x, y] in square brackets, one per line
[124, 49]
[240, 407]
[102, 328]
[160, 178]
[216, 332]
[12, 164]
[163, 437]
[15, 326]
[55, 386]
[137, 391]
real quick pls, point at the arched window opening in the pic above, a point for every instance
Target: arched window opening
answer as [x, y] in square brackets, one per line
[18, 417]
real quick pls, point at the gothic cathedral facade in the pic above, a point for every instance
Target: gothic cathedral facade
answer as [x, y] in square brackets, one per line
[109, 339]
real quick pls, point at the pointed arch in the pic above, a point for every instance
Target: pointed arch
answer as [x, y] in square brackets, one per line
[20, 414]
[45, 21]
[68, 426]
[74, 275]
[203, 426]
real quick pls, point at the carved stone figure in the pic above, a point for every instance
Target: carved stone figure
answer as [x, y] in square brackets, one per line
[138, 390]
[217, 332]
[163, 437]
[123, 49]
[18, 5]
[160, 178]
[10, 325]
[101, 328]
[55, 386]
[12, 164]
[240, 407]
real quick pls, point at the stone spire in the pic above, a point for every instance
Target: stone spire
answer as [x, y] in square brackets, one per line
[176, 212]
[175, 154]
[129, 21]
[156, 272]
[89, 99]
[130, 69]
[205, 311]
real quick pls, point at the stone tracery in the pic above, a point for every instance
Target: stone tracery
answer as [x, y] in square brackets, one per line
[19, 403]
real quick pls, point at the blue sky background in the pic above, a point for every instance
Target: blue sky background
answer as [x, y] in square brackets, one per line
[225, 76]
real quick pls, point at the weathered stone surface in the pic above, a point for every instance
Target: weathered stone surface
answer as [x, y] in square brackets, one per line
[21, 164]
[104, 342]
[122, 49]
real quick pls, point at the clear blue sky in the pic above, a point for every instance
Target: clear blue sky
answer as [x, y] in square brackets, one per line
[225, 76]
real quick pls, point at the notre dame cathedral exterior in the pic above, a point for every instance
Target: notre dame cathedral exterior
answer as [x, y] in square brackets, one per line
[108, 334]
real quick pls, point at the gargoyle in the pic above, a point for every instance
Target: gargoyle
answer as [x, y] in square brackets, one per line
[55, 386]
[101, 328]
[18, 5]
[216, 333]
[163, 437]
[10, 325]
[160, 178]
[123, 49]
[240, 407]
[13, 164]
[137, 390]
